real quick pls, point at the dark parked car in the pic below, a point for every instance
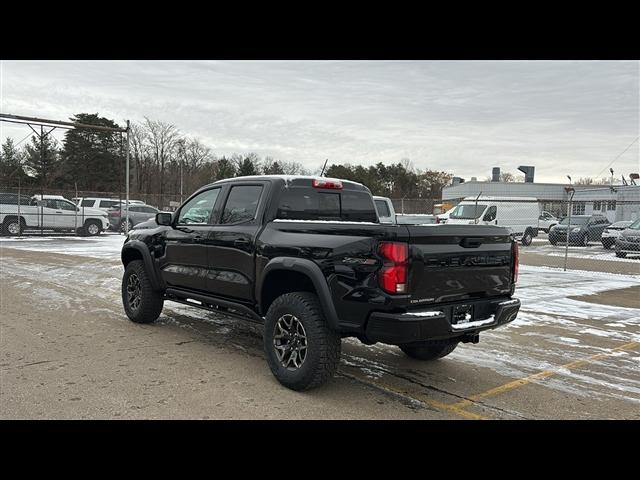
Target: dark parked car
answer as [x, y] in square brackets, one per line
[629, 241]
[612, 232]
[307, 258]
[584, 229]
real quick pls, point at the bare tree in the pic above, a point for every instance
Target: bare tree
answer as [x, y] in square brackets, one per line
[162, 140]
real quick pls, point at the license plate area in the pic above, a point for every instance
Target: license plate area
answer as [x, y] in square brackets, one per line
[462, 314]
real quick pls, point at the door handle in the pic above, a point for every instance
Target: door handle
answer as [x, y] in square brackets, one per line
[241, 242]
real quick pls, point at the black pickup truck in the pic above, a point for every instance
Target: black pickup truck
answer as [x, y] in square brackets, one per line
[308, 258]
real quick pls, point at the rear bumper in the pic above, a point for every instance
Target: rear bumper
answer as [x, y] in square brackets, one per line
[436, 323]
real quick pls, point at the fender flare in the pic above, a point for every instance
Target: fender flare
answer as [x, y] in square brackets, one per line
[149, 264]
[314, 273]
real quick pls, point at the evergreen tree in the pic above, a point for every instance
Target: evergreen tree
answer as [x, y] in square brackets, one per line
[11, 169]
[247, 167]
[42, 160]
[92, 158]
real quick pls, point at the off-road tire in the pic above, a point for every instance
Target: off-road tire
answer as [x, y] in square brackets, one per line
[151, 301]
[430, 349]
[87, 228]
[323, 344]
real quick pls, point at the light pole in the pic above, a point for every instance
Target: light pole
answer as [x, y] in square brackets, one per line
[569, 190]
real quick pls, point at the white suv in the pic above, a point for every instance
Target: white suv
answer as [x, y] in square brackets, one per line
[103, 204]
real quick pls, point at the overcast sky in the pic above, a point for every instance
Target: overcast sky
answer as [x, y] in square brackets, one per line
[463, 117]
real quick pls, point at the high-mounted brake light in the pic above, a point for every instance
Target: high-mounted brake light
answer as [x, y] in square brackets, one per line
[393, 275]
[516, 261]
[335, 184]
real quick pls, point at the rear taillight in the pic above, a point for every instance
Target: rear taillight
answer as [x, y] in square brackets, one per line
[516, 260]
[393, 275]
[334, 184]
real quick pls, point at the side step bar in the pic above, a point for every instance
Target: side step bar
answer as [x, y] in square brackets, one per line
[213, 304]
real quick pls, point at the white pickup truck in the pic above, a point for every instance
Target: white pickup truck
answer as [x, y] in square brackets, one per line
[50, 212]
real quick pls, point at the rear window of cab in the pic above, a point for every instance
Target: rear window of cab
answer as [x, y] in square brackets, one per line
[304, 203]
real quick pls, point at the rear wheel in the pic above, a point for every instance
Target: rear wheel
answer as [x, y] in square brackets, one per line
[430, 349]
[123, 225]
[301, 349]
[142, 303]
[527, 238]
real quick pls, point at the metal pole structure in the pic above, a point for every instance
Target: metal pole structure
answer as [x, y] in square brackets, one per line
[42, 180]
[566, 246]
[181, 163]
[19, 202]
[127, 182]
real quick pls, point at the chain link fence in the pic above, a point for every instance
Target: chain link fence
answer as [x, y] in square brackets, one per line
[591, 233]
[35, 210]
[596, 226]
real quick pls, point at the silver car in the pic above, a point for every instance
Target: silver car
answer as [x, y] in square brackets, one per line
[137, 214]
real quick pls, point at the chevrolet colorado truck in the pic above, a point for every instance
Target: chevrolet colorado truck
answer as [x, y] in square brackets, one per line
[308, 258]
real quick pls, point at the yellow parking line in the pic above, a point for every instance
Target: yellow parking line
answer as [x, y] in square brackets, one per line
[419, 398]
[545, 374]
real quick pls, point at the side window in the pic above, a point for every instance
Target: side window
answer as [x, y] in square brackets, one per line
[242, 203]
[62, 205]
[490, 216]
[198, 209]
[49, 203]
[135, 209]
[149, 210]
[108, 203]
[87, 203]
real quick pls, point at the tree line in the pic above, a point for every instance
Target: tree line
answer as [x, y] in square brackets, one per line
[161, 156]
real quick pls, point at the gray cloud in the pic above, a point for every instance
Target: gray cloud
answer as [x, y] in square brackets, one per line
[463, 117]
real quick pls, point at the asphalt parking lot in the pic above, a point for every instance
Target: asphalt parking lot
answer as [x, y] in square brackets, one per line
[68, 351]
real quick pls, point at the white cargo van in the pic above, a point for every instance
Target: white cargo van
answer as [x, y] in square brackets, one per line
[518, 214]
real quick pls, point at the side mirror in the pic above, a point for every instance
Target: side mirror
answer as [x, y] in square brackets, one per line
[164, 218]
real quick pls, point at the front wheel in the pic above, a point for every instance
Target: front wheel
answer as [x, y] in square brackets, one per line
[92, 228]
[141, 302]
[301, 349]
[430, 349]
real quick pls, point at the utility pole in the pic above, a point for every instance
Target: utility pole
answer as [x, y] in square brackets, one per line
[127, 183]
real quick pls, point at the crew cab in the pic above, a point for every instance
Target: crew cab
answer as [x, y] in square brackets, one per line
[308, 258]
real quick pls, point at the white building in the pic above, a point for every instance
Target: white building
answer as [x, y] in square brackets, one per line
[618, 202]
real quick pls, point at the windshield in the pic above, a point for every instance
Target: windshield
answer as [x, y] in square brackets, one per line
[574, 220]
[468, 211]
[635, 225]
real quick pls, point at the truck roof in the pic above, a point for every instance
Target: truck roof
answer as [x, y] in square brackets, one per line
[291, 179]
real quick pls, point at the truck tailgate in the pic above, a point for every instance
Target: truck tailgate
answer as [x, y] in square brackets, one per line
[458, 262]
